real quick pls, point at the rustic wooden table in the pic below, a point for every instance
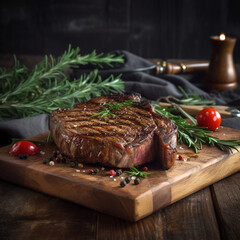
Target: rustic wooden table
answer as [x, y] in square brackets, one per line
[212, 213]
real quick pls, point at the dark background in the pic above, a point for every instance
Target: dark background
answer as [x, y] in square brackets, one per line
[150, 28]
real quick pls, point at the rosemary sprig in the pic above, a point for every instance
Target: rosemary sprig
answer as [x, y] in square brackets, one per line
[194, 136]
[192, 98]
[106, 112]
[136, 172]
[46, 87]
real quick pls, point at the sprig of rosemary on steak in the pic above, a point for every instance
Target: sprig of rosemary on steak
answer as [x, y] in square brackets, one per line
[106, 112]
[194, 136]
[46, 87]
[136, 173]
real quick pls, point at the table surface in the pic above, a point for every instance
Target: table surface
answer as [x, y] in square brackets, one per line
[212, 213]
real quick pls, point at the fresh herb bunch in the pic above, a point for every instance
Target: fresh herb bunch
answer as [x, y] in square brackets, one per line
[136, 173]
[106, 112]
[194, 136]
[46, 87]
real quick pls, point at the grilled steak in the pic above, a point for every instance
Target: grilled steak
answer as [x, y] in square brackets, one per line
[130, 135]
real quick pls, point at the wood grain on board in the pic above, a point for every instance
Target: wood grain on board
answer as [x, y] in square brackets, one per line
[101, 193]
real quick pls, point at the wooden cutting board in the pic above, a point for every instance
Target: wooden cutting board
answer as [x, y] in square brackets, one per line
[104, 194]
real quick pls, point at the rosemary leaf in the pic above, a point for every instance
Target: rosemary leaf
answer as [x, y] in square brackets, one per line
[193, 98]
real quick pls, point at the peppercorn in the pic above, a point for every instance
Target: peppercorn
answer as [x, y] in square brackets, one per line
[145, 168]
[58, 159]
[127, 179]
[64, 160]
[50, 159]
[72, 164]
[180, 157]
[119, 172]
[44, 161]
[136, 181]
[123, 183]
[112, 172]
[96, 170]
[55, 154]
[23, 156]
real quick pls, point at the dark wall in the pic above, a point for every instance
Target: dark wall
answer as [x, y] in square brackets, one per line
[149, 28]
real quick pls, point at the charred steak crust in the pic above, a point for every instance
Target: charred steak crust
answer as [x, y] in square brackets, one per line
[136, 136]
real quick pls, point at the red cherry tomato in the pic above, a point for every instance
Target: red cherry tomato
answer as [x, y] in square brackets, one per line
[209, 118]
[24, 147]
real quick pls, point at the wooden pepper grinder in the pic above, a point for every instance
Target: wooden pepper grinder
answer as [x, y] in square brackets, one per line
[221, 74]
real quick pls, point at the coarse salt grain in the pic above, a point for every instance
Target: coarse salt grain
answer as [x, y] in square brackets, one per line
[102, 168]
[42, 152]
[75, 125]
[51, 163]
[122, 177]
[111, 176]
[114, 179]
[77, 170]
[83, 170]
[185, 160]
[180, 147]
[133, 177]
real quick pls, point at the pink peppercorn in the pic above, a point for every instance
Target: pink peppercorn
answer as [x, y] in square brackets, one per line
[57, 159]
[145, 168]
[180, 157]
[90, 171]
[112, 172]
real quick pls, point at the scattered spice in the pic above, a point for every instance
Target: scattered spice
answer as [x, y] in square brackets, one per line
[80, 165]
[58, 159]
[72, 164]
[51, 163]
[118, 172]
[145, 168]
[127, 179]
[123, 183]
[137, 181]
[55, 154]
[112, 172]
